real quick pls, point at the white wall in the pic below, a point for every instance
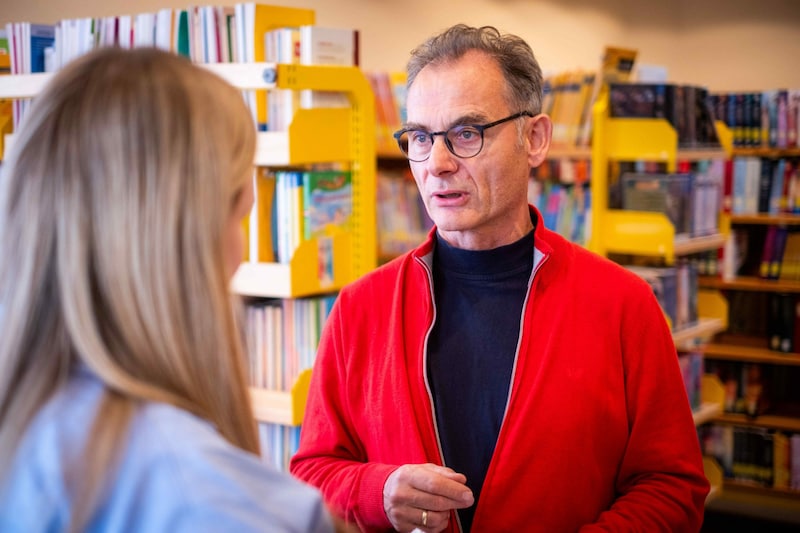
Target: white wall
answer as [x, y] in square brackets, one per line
[732, 45]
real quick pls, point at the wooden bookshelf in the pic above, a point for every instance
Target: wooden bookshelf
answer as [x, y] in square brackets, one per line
[758, 489]
[683, 154]
[704, 328]
[749, 354]
[768, 152]
[769, 421]
[693, 245]
[707, 412]
[749, 283]
[788, 219]
[701, 154]
[751, 500]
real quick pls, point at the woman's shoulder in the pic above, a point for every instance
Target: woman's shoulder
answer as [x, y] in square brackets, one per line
[195, 476]
[173, 471]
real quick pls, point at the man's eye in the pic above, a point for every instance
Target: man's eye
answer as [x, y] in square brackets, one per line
[465, 134]
[419, 137]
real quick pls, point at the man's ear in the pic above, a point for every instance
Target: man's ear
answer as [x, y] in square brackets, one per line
[539, 132]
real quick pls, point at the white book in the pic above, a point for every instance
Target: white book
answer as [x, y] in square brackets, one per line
[144, 30]
[163, 29]
[124, 37]
[320, 45]
[281, 46]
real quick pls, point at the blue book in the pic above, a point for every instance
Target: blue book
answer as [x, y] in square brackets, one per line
[42, 36]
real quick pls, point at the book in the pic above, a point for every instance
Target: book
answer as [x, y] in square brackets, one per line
[790, 262]
[616, 66]
[282, 45]
[664, 282]
[288, 213]
[640, 100]
[793, 119]
[767, 252]
[253, 20]
[321, 45]
[691, 364]
[388, 113]
[765, 176]
[666, 193]
[781, 322]
[31, 50]
[327, 202]
[779, 246]
[327, 210]
[708, 183]
[5, 58]
[780, 468]
[776, 201]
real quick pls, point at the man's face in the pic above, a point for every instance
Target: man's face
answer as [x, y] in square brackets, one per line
[479, 202]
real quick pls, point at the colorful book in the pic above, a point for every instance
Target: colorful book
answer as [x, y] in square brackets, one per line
[327, 202]
[778, 248]
[767, 252]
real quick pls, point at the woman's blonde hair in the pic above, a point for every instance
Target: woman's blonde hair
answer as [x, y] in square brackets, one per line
[113, 205]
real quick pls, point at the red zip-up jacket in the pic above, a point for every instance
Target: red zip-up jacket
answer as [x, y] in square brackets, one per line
[598, 432]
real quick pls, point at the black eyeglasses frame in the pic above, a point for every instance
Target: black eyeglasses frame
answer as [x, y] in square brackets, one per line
[481, 128]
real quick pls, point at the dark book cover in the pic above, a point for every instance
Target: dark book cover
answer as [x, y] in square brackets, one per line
[670, 194]
[765, 185]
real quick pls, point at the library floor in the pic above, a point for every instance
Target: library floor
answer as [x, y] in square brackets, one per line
[716, 522]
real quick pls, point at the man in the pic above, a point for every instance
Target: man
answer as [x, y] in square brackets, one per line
[498, 377]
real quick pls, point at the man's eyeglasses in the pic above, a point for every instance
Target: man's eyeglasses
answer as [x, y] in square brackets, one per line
[464, 140]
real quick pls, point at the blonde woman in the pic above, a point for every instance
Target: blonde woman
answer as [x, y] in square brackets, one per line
[123, 395]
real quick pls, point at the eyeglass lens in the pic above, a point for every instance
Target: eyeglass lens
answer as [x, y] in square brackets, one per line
[462, 141]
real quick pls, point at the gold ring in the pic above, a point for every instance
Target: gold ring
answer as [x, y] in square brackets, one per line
[424, 518]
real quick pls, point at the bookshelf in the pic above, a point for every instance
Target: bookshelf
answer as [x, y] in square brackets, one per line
[651, 234]
[750, 283]
[637, 232]
[734, 349]
[350, 131]
[738, 352]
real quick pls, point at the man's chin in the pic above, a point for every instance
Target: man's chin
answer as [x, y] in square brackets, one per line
[449, 222]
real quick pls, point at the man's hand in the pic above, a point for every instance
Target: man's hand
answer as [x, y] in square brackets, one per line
[422, 496]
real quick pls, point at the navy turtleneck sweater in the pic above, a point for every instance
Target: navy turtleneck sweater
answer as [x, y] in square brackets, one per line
[479, 298]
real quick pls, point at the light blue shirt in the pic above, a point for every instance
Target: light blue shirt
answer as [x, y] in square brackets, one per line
[176, 474]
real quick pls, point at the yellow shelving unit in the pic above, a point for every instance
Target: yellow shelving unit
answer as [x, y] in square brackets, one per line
[617, 231]
[279, 407]
[345, 135]
[639, 232]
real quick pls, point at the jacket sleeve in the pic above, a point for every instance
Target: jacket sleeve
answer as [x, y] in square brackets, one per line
[661, 485]
[330, 456]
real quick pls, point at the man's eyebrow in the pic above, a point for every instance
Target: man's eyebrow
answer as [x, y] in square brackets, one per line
[472, 119]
